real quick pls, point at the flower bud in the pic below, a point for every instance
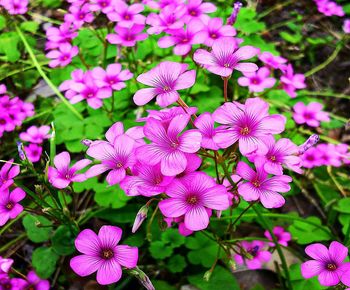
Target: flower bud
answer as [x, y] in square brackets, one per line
[232, 264]
[86, 142]
[313, 139]
[140, 217]
[142, 277]
[21, 153]
[233, 17]
[207, 275]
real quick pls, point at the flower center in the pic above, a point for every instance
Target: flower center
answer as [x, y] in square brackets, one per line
[81, 16]
[174, 144]
[255, 81]
[119, 165]
[90, 95]
[166, 88]
[31, 288]
[111, 82]
[65, 57]
[127, 17]
[253, 251]
[185, 40]
[245, 131]
[273, 158]
[158, 180]
[103, 4]
[256, 183]
[226, 65]
[331, 267]
[214, 35]
[2, 122]
[193, 13]
[192, 200]
[9, 205]
[107, 254]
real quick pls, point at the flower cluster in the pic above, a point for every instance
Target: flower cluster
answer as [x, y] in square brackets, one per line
[32, 280]
[310, 114]
[95, 85]
[326, 154]
[13, 111]
[329, 8]
[15, 7]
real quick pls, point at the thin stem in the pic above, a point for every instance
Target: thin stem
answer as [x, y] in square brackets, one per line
[225, 89]
[149, 234]
[337, 184]
[242, 213]
[12, 242]
[44, 76]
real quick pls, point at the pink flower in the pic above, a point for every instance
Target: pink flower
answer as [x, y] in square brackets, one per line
[59, 35]
[190, 197]
[327, 264]
[233, 17]
[272, 61]
[183, 38]
[261, 187]
[146, 180]
[346, 26]
[116, 158]
[282, 236]
[7, 174]
[113, 77]
[34, 282]
[258, 255]
[168, 147]
[197, 9]
[79, 15]
[15, 7]
[280, 152]
[257, 81]
[63, 55]
[35, 134]
[169, 18]
[9, 204]
[126, 15]
[105, 6]
[3, 89]
[205, 125]
[5, 265]
[328, 156]
[214, 29]
[310, 114]
[225, 57]
[62, 174]
[329, 8]
[127, 36]
[165, 80]
[102, 253]
[33, 152]
[246, 124]
[292, 81]
[311, 158]
[345, 279]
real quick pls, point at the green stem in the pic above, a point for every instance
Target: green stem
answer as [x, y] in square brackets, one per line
[327, 62]
[325, 94]
[11, 222]
[267, 224]
[44, 76]
[12, 242]
[241, 214]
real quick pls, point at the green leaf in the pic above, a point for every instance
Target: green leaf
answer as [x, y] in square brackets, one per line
[159, 250]
[305, 233]
[300, 283]
[44, 261]
[220, 279]
[247, 23]
[63, 241]
[9, 46]
[292, 38]
[176, 264]
[119, 216]
[113, 197]
[30, 26]
[36, 233]
[2, 22]
[162, 285]
[172, 237]
[52, 3]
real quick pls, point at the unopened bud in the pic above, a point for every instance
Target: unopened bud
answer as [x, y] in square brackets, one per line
[38, 189]
[86, 142]
[21, 153]
[140, 217]
[207, 275]
[233, 17]
[311, 141]
[142, 277]
[232, 264]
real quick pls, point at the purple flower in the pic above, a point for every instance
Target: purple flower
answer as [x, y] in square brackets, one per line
[246, 124]
[327, 264]
[310, 114]
[34, 282]
[281, 235]
[116, 158]
[9, 204]
[272, 61]
[205, 125]
[165, 80]
[113, 77]
[214, 30]
[140, 217]
[280, 152]
[225, 57]
[126, 15]
[63, 55]
[7, 174]
[5, 265]
[168, 147]
[3, 89]
[147, 180]
[311, 158]
[346, 26]
[78, 15]
[106, 6]
[183, 38]
[233, 17]
[190, 197]
[169, 18]
[292, 81]
[127, 36]
[33, 152]
[258, 256]
[15, 7]
[345, 279]
[102, 253]
[197, 9]
[35, 134]
[311, 141]
[329, 8]
[59, 35]
[62, 174]
[257, 81]
[260, 186]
